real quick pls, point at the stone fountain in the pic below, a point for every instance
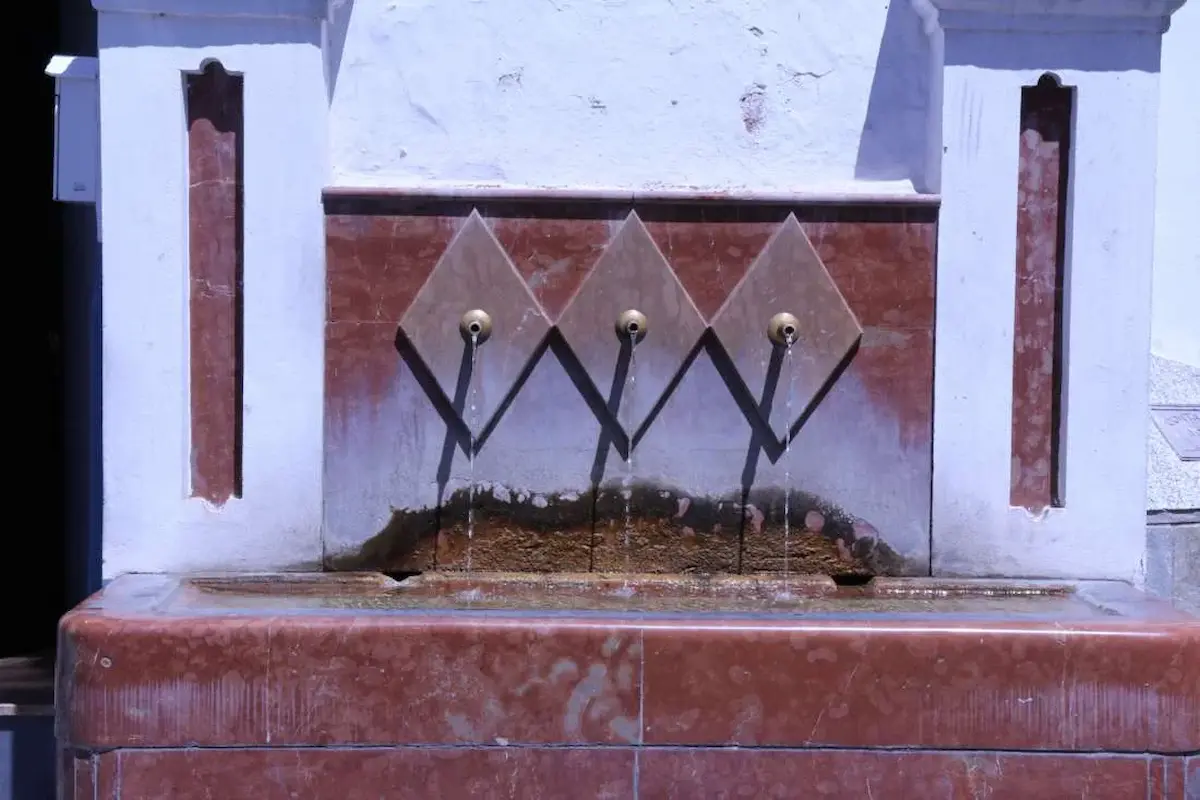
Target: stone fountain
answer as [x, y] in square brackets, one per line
[627, 493]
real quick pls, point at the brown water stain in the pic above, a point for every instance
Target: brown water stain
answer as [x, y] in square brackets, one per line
[658, 530]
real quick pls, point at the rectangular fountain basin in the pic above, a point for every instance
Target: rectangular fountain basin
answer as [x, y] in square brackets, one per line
[659, 597]
[610, 686]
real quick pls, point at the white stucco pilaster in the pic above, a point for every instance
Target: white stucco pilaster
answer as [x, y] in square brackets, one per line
[150, 523]
[1109, 51]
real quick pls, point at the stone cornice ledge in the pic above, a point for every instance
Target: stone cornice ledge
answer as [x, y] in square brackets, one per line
[245, 9]
[1133, 16]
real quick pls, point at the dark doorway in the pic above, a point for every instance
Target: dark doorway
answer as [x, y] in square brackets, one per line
[53, 388]
[55, 299]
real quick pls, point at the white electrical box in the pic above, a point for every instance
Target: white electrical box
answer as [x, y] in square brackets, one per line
[76, 128]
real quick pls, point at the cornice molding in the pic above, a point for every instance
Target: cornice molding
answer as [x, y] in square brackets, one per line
[1049, 16]
[244, 9]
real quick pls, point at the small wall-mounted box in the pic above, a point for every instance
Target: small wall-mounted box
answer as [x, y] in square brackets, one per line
[76, 128]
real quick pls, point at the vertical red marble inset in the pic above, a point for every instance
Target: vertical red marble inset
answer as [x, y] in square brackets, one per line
[1037, 333]
[214, 113]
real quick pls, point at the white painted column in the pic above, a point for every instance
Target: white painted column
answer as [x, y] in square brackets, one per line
[1110, 53]
[150, 522]
[1176, 330]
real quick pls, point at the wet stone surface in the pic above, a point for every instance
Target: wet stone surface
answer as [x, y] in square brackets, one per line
[637, 594]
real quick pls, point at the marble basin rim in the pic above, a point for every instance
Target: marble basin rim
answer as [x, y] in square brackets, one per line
[452, 583]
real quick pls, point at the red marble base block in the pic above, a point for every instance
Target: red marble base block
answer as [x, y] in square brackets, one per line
[357, 686]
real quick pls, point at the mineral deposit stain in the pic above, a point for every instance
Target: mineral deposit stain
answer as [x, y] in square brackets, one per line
[754, 107]
[670, 532]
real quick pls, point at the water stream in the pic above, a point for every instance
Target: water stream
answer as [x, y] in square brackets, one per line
[628, 421]
[789, 376]
[472, 423]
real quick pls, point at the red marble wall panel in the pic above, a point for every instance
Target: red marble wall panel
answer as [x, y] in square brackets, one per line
[214, 114]
[711, 254]
[768, 687]
[421, 680]
[193, 675]
[1037, 334]
[361, 360]
[615, 774]
[381, 249]
[76, 776]
[375, 265]
[872, 264]
[553, 254]
[369, 774]
[687, 774]
[327, 686]
[896, 367]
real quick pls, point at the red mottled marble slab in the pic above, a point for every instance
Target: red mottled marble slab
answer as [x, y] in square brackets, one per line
[367, 774]
[157, 661]
[703, 773]
[375, 265]
[214, 118]
[363, 680]
[1015, 685]
[611, 773]
[553, 254]
[395, 463]
[1041, 230]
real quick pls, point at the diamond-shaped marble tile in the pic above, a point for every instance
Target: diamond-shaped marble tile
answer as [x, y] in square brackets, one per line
[632, 275]
[475, 273]
[787, 277]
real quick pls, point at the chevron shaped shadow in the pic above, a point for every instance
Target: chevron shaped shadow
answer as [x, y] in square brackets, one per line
[787, 275]
[755, 409]
[451, 409]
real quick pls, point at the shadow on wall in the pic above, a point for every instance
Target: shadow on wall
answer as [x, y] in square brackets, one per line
[892, 144]
[336, 26]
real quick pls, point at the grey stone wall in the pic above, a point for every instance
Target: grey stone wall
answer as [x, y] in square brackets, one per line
[1173, 495]
[1173, 558]
[1174, 484]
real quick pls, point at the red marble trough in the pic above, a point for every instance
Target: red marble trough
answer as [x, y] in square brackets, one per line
[357, 686]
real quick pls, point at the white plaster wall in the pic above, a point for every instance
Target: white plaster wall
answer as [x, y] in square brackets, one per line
[150, 523]
[631, 94]
[1176, 321]
[1113, 64]
[628, 94]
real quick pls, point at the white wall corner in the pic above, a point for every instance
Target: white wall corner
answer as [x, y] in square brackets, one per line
[1109, 52]
[151, 523]
[928, 12]
[249, 9]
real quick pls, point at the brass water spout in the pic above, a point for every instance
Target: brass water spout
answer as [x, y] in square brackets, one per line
[783, 329]
[476, 326]
[632, 325]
